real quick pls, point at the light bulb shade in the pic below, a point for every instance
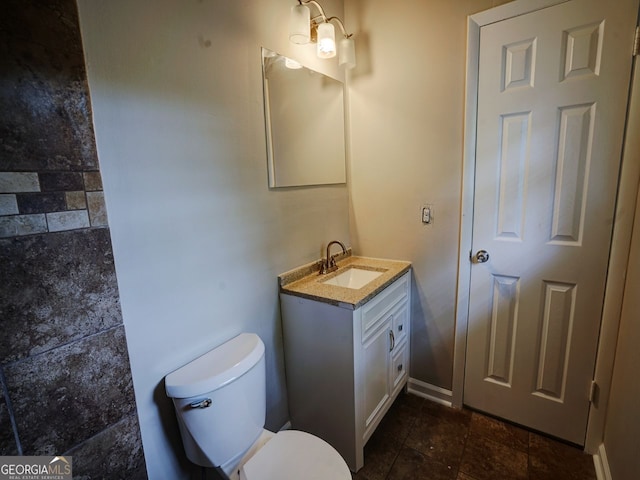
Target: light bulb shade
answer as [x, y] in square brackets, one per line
[326, 40]
[347, 53]
[300, 24]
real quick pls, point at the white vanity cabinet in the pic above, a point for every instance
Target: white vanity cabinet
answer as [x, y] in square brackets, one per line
[346, 364]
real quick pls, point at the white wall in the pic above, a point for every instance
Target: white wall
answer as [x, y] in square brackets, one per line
[198, 237]
[407, 105]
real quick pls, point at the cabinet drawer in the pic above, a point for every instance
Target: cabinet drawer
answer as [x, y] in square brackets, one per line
[377, 310]
[401, 322]
[399, 365]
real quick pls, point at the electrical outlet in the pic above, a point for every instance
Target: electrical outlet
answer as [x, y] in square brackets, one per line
[427, 214]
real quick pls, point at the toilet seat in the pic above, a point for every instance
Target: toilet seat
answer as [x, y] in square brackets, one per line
[294, 455]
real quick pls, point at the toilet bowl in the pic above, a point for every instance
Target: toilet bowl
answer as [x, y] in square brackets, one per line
[220, 402]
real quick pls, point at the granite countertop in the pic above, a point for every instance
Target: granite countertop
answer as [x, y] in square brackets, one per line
[306, 282]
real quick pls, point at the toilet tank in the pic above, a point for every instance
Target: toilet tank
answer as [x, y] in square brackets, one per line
[220, 401]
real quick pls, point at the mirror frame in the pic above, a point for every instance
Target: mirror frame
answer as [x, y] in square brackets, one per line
[304, 125]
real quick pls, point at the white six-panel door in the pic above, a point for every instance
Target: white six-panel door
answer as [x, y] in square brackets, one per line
[552, 99]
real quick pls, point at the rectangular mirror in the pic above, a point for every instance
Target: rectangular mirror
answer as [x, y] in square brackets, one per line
[304, 117]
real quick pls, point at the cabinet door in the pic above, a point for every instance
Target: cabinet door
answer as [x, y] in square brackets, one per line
[376, 371]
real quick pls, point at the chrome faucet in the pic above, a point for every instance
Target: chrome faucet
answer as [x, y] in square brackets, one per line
[329, 264]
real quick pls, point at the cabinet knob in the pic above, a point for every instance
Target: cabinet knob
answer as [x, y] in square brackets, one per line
[400, 327]
[400, 367]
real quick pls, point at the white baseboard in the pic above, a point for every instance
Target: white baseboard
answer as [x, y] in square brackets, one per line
[430, 392]
[602, 464]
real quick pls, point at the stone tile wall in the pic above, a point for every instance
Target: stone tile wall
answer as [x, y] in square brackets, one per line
[40, 202]
[65, 378]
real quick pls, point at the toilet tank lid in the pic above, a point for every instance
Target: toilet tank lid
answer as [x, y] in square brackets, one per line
[216, 368]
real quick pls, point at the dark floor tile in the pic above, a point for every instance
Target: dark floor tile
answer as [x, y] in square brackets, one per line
[553, 460]
[379, 454]
[446, 443]
[464, 476]
[414, 402]
[499, 431]
[462, 416]
[413, 465]
[485, 459]
[440, 433]
[400, 417]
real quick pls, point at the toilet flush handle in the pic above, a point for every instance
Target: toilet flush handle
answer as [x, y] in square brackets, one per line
[201, 403]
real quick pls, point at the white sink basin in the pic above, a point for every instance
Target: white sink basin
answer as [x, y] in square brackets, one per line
[355, 278]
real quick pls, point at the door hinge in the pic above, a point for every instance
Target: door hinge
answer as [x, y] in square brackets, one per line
[594, 390]
[636, 42]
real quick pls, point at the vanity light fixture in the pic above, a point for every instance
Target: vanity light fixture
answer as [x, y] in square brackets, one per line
[319, 29]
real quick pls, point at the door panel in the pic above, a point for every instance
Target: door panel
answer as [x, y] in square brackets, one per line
[552, 99]
[502, 329]
[554, 346]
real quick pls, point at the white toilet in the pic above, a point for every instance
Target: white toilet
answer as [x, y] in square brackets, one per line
[220, 401]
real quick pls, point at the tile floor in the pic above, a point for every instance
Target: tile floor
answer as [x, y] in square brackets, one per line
[422, 440]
